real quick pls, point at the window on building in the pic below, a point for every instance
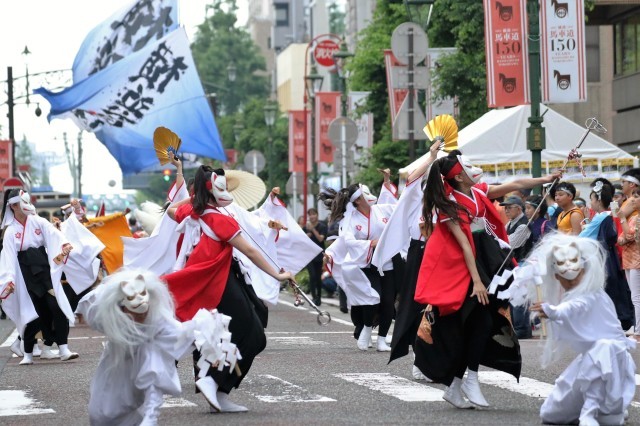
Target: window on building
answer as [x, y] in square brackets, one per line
[592, 38]
[282, 14]
[627, 46]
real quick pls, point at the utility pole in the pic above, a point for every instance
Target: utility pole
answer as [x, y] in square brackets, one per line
[535, 133]
[10, 104]
[80, 164]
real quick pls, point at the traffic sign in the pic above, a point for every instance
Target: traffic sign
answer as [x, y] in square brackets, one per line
[343, 128]
[12, 183]
[401, 123]
[400, 78]
[323, 52]
[400, 43]
[338, 160]
[254, 161]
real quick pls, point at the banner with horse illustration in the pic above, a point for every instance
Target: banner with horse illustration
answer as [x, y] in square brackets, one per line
[562, 43]
[507, 52]
[298, 139]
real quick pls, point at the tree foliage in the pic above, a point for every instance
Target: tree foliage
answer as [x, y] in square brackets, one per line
[368, 74]
[255, 135]
[460, 24]
[218, 44]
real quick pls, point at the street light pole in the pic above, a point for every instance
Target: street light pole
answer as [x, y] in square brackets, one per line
[340, 58]
[314, 85]
[10, 104]
[535, 132]
[270, 111]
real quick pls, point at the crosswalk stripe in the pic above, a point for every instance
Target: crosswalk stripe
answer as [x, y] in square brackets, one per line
[297, 341]
[268, 388]
[173, 402]
[397, 387]
[527, 386]
[19, 403]
[13, 336]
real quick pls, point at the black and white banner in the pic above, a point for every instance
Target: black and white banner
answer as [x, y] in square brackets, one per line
[562, 43]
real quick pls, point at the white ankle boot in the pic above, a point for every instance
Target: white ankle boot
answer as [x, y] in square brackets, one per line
[453, 395]
[152, 402]
[209, 389]
[365, 338]
[16, 347]
[36, 350]
[27, 359]
[66, 354]
[48, 353]
[227, 406]
[471, 389]
[417, 375]
[382, 345]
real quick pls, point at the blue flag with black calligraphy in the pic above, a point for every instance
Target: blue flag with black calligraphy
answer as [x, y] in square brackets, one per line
[126, 31]
[124, 103]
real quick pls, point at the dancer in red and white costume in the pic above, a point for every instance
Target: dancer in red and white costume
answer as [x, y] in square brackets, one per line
[361, 224]
[206, 277]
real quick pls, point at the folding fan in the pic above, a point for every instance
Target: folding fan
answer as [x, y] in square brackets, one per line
[444, 128]
[166, 144]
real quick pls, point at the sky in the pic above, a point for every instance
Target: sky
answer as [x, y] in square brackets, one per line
[54, 31]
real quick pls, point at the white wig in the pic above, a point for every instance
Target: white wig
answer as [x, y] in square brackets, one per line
[593, 257]
[122, 332]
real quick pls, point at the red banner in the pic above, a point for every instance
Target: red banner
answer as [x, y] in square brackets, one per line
[6, 159]
[297, 140]
[507, 52]
[396, 96]
[327, 107]
[232, 156]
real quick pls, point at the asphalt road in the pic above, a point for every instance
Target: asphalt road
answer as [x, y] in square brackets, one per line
[307, 375]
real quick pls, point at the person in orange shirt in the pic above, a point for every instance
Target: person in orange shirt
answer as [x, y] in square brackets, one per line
[569, 221]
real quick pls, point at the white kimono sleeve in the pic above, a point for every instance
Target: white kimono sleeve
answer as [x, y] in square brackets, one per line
[81, 268]
[396, 236]
[388, 195]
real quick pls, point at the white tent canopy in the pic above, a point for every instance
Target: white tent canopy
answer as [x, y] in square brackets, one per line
[499, 138]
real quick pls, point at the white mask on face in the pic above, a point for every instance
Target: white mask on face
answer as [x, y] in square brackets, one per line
[368, 196]
[474, 173]
[25, 204]
[567, 261]
[136, 296]
[219, 190]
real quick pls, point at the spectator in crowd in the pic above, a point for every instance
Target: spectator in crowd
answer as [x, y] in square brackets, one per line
[329, 284]
[539, 224]
[519, 239]
[317, 231]
[618, 195]
[570, 220]
[584, 208]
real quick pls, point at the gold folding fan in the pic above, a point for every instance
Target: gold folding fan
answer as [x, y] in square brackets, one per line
[166, 144]
[443, 127]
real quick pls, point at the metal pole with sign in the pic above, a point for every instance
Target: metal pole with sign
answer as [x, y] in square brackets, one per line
[410, 46]
[343, 133]
[535, 133]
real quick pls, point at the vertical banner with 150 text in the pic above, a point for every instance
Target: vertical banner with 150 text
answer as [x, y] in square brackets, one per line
[507, 53]
[562, 43]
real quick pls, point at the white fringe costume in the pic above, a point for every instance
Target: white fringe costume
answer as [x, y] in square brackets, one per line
[138, 363]
[598, 386]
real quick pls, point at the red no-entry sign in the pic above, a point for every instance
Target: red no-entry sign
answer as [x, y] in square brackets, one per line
[323, 52]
